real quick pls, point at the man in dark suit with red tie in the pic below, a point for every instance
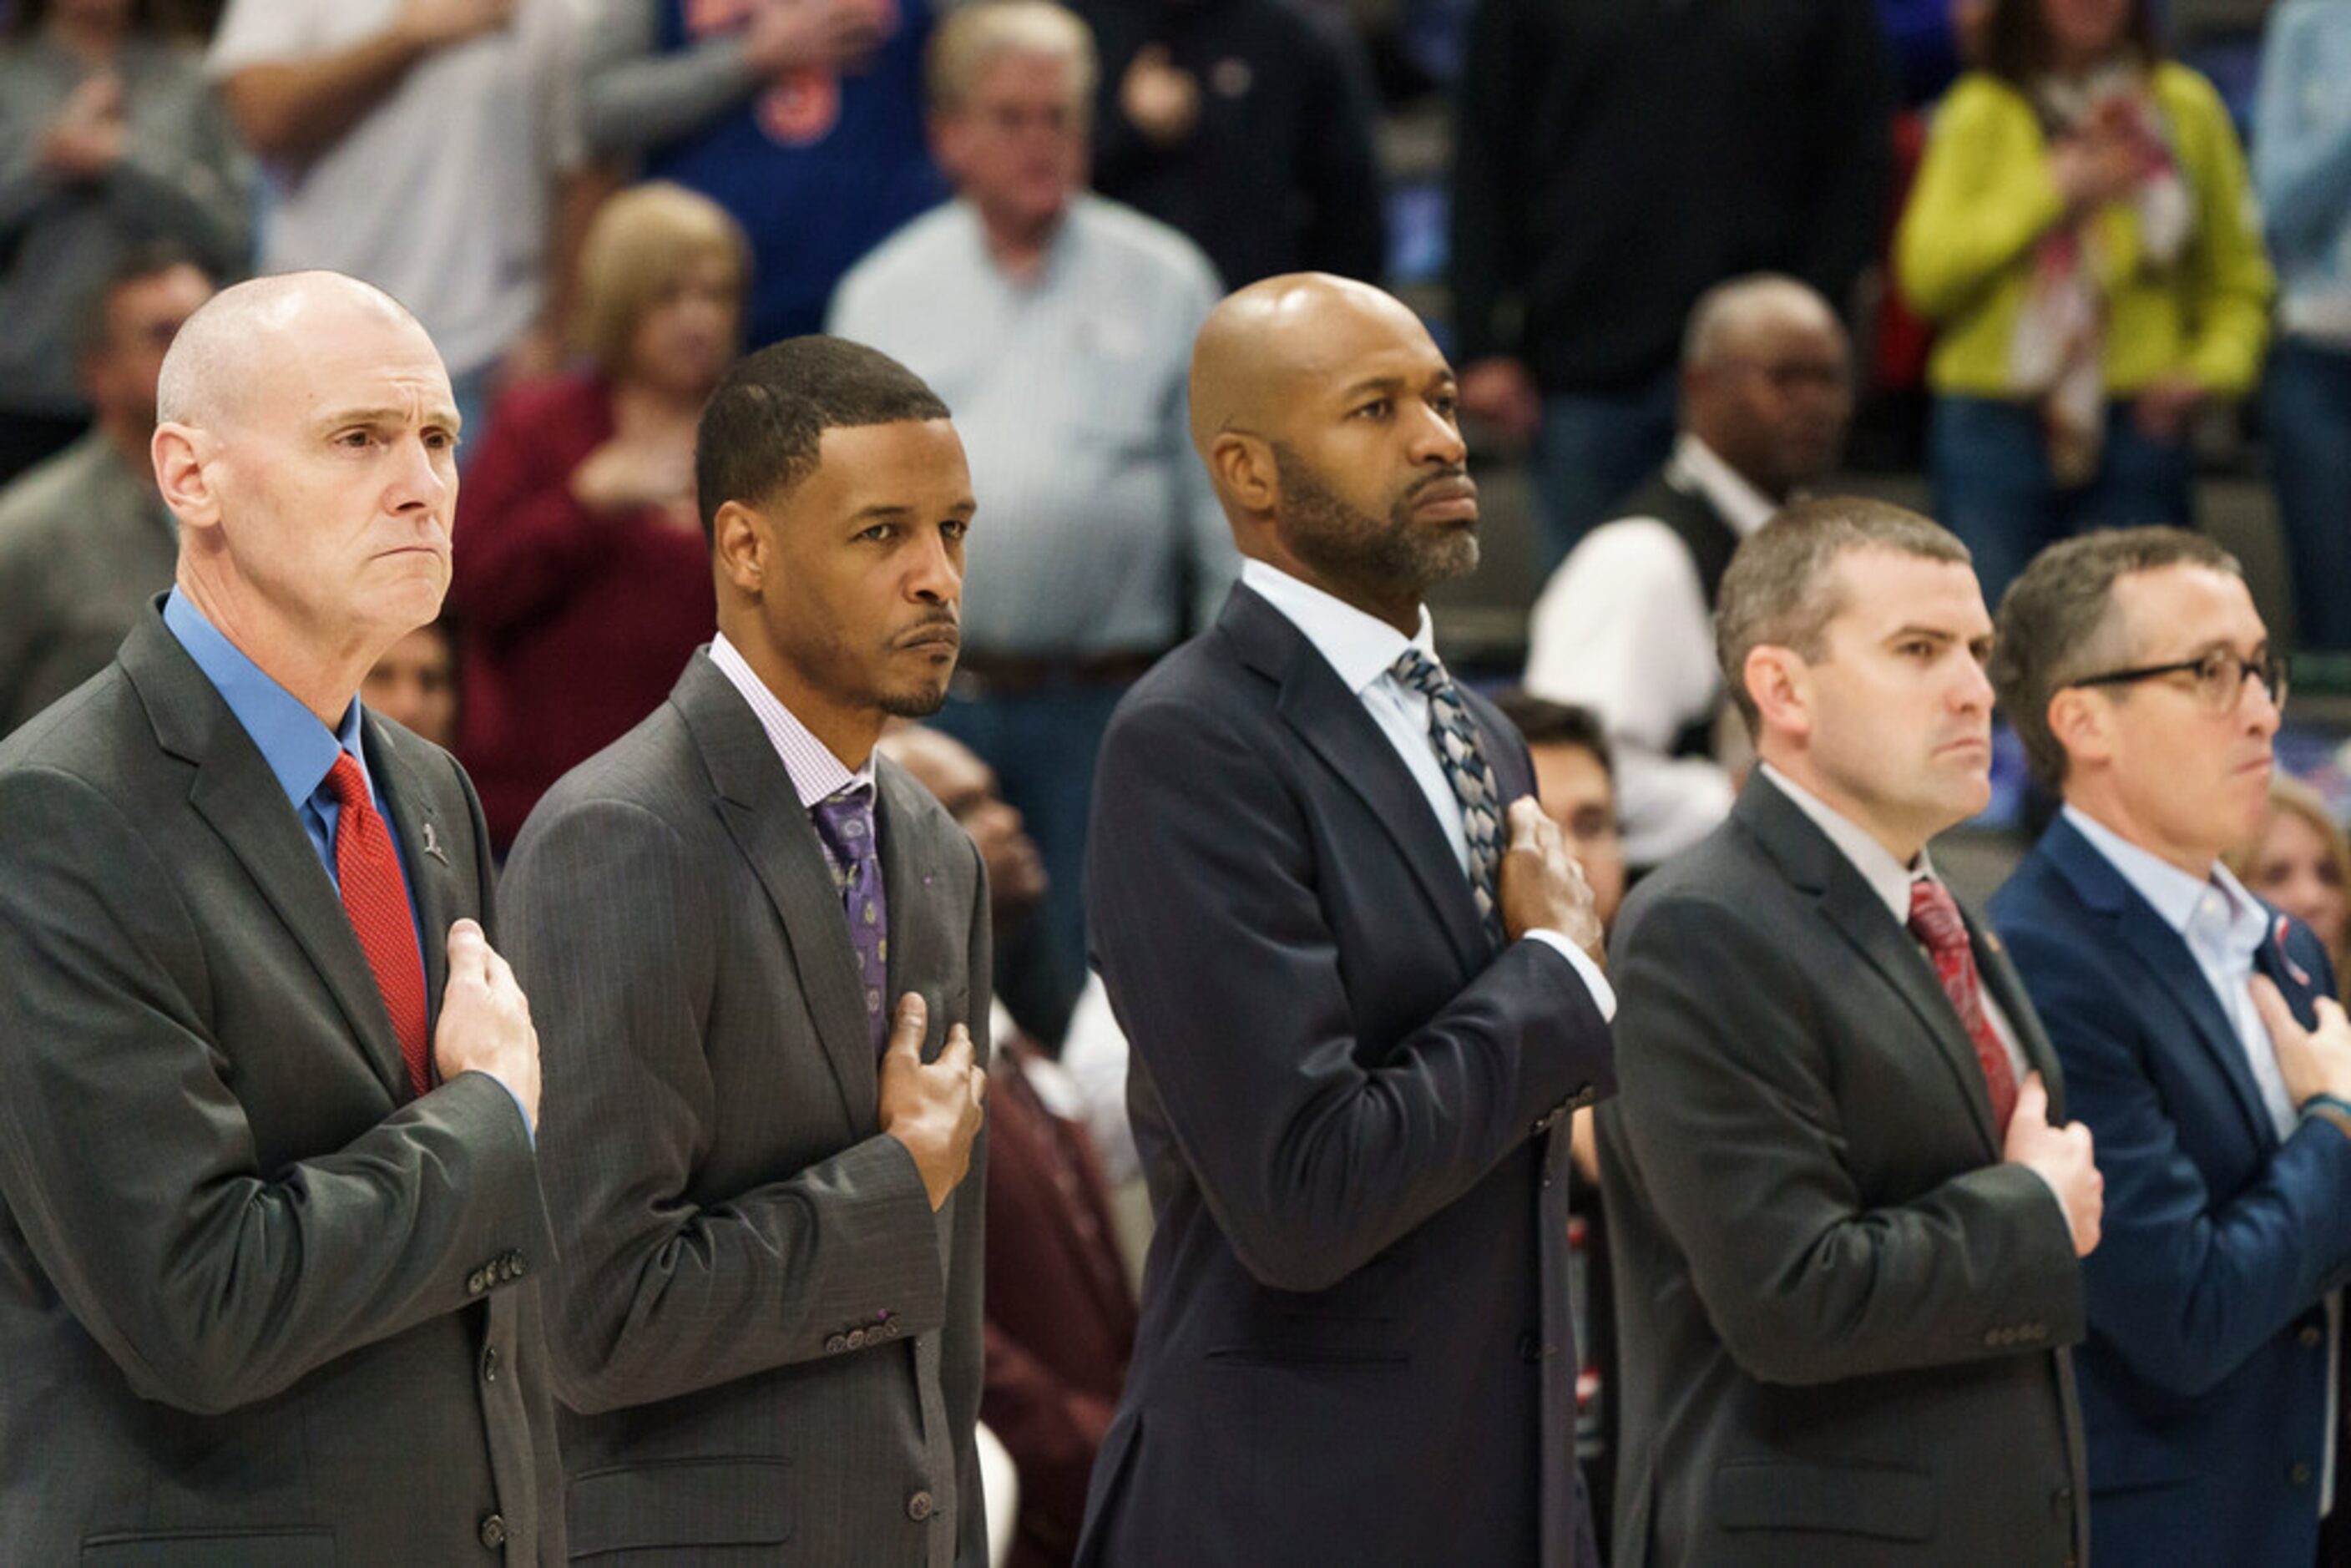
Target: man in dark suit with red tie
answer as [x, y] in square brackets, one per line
[1844, 1209]
[1360, 1015]
[273, 1223]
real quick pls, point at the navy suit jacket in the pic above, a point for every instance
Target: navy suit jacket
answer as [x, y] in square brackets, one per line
[1355, 1344]
[2203, 1385]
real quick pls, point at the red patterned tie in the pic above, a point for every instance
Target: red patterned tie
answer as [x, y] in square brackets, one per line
[376, 899]
[1935, 921]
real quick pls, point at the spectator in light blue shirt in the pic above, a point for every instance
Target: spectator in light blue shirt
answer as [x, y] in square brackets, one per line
[2302, 168]
[1058, 327]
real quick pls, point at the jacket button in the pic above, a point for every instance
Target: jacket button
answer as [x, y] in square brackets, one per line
[2312, 1336]
[494, 1532]
[490, 1365]
[921, 1506]
[835, 1343]
[517, 1267]
[856, 1339]
[2299, 1475]
[476, 1283]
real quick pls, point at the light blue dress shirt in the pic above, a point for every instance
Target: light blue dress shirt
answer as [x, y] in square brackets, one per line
[299, 749]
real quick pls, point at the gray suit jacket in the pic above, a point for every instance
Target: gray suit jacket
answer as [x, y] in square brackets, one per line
[1840, 1312]
[768, 1346]
[258, 1304]
[84, 543]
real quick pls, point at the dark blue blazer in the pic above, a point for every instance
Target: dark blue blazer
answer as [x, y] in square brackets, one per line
[1355, 1345]
[2204, 1383]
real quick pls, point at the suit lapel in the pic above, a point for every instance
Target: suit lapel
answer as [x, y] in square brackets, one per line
[2164, 953]
[423, 853]
[234, 792]
[909, 892]
[1813, 863]
[764, 815]
[1331, 720]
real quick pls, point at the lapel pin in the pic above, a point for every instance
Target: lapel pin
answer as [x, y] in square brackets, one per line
[432, 845]
[2301, 975]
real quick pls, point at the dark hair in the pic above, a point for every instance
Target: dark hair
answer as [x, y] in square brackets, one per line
[147, 16]
[149, 258]
[1781, 591]
[762, 428]
[2056, 621]
[1543, 722]
[2012, 41]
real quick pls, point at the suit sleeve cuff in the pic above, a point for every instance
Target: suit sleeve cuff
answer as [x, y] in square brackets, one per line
[528, 1130]
[1604, 995]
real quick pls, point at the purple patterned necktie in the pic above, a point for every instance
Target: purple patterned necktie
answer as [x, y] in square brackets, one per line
[844, 821]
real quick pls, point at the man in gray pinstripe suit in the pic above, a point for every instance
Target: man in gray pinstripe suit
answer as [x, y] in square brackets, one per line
[764, 1179]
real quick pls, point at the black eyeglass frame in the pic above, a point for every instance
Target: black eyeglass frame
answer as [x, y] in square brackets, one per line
[2275, 671]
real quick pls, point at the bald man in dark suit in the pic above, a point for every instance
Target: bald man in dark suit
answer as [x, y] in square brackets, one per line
[269, 1261]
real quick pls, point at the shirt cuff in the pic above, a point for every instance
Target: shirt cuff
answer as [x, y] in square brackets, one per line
[528, 1131]
[1604, 995]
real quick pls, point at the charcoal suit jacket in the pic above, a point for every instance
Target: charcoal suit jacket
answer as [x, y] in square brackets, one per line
[1842, 1317]
[260, 1303]
[768, 1345]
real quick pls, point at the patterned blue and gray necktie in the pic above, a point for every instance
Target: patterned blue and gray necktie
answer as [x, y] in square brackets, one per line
[844, 821]
[1453, 734]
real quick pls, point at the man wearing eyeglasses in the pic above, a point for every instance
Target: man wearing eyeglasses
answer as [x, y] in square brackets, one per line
[2197, 1043]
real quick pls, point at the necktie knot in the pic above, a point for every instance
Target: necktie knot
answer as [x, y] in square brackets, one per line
[1935, 917]
[349, 784]
[845, 818]
[1421, 673]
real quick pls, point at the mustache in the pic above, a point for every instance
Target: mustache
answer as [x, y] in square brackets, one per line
[944, 621]
[1457, 473]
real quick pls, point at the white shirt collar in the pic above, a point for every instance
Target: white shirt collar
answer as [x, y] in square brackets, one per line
[1887, 877]
[1360, 646]
[2236, 925]
[815, 771]
[1740, 504]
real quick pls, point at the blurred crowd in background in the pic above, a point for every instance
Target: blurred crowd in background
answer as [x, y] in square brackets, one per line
[2055, 264]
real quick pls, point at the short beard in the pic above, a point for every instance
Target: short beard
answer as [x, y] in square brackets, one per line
[1391, 559]
[914, 705]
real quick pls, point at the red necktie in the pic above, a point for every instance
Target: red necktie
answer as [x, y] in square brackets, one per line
[1935, 921]
[376, 899]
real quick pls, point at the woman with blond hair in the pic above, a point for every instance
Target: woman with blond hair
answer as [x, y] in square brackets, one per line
[2301, 863]
[582, 577]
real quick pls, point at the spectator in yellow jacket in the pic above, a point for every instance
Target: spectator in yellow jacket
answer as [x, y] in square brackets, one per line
[2081, 235]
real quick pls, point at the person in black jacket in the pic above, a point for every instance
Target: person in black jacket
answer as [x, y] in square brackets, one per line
[1615, 159]
[1246, 124]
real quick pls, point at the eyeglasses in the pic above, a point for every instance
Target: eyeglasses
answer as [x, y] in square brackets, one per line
[2219, 677]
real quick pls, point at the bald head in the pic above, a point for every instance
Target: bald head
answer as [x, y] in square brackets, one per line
[1262, 343]
[1730, 316]
[244, 335]
[1326, 417]
[1767, 381]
